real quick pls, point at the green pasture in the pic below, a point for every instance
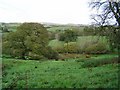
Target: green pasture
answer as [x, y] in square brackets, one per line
[70, 73]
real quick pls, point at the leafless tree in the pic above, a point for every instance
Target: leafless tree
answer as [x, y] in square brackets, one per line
[108, 13]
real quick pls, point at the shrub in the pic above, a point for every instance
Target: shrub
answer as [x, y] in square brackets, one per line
[68, 36]
[50, 53]
[98, 48]
[85, 42]
[17, 53]
[71, 47]
[59, 49]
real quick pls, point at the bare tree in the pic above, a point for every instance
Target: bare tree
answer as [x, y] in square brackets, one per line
[108, 13]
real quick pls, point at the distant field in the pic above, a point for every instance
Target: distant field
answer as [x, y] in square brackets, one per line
[55, 43]
[62, 28]
[59, 74]
[82, 39]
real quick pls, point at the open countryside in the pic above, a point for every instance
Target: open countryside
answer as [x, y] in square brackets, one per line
[59, 44]
[86, 62]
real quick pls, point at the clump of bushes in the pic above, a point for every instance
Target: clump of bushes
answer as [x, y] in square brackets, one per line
[71, 47]
[50, 53]
[47, 53]
[59, 49]
[93, 45]
[98, 48]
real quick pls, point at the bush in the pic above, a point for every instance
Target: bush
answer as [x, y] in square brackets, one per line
[59, 49]
[71, 47]
[85, 42]
[50, 53]
[68, 36]
[98, 48]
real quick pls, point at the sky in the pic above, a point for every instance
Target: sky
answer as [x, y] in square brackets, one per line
[54, 11]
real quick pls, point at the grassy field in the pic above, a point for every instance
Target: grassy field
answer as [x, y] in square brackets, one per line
[62, 28]
[69, 73]
[56, 43]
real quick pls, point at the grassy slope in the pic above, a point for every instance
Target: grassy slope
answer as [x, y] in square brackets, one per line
[55, 74]
[55, 43]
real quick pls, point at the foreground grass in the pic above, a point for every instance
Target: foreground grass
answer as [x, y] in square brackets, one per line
[58, 74]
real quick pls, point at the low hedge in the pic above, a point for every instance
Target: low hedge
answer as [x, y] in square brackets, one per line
[98, 62]
[98, 48]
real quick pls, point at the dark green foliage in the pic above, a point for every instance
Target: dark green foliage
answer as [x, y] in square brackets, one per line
[88, 31]
[50, 53]
[62, 36]
[111, 32]
[29, 38]
[68, 36]
[113, 36]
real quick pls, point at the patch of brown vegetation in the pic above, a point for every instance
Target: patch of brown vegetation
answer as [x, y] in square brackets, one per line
[68, 55]
[87, 56]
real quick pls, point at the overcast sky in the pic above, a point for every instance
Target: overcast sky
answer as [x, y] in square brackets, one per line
[55, 11]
